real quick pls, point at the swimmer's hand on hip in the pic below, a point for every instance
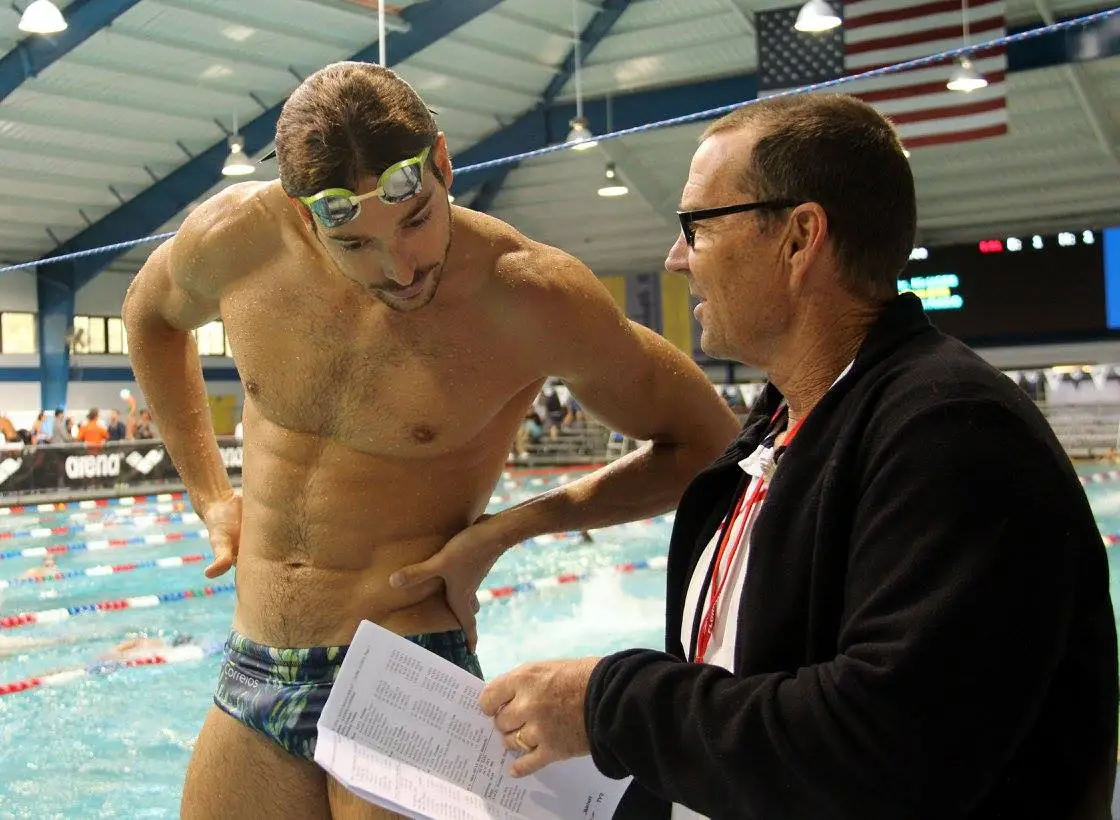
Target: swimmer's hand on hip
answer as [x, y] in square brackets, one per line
[462, 564]
[223, 523]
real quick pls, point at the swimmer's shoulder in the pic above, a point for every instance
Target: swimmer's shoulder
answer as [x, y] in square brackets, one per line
[232, 234]
[542, 290]
[526, 265]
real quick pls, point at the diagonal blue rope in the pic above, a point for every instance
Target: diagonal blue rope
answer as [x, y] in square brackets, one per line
[710, 113]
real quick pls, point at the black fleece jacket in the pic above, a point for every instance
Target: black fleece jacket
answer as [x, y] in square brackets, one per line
[925, 630]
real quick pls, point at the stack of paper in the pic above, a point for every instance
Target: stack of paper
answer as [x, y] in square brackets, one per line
[402, 729]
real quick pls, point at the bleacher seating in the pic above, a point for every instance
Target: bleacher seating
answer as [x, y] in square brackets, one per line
[1085, 430]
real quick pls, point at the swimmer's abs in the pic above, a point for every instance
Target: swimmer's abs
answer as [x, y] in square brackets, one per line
[292, 605]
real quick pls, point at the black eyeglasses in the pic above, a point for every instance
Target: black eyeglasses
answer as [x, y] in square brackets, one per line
[687, 218]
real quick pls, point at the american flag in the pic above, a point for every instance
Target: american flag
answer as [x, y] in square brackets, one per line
[884, 32]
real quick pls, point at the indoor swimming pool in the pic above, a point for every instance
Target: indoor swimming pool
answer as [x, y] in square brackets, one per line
[98, 738]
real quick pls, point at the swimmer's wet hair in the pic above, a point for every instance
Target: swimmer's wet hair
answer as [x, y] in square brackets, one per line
[837, 151]
[346, 121]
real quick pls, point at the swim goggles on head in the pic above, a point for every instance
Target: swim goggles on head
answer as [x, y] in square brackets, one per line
[401, 181]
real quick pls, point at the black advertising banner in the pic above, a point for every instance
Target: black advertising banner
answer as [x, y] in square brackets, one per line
[113, 466]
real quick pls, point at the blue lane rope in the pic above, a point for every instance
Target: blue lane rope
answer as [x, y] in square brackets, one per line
[710, 113]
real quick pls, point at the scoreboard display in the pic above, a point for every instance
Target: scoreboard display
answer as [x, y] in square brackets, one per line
[1021, 289]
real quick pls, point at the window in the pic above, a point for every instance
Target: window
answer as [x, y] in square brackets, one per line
[115, 335]
[90, 335]
[211, 339]
[96, 335]
[99, 335]
[17, 333]
[80, 341]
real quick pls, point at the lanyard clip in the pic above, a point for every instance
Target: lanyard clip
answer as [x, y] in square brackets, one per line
[762, 463]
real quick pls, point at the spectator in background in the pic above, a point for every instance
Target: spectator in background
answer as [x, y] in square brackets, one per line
[529, 433]
[40, 430]
[551, 410]
[92, 433]
[49, 568]
[575, 412]
[60, 431]
[115, 428]
[734, 398]
[145, 428]
[8, 429]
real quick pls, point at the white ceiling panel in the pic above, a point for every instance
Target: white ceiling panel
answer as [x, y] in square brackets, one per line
[555, 15]
[16, 211]
[464, 124]
[479, 94]
[485, 66]
[23, 137]
[326, 23]
[15, 250]
[515, 36]
[275, 41]
[689, 33]
[82, 169]
[699, 62]
[161, 58]
[108, 118]
[644, 16]
[96, 154]
[87, 82]
[59, 191]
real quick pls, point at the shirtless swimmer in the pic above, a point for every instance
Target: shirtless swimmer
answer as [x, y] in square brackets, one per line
[389, 344]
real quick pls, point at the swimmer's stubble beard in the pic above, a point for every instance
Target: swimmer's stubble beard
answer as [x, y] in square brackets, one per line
[435, 272]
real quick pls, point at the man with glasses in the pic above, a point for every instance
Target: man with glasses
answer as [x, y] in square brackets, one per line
[390, 345]
[888, 599]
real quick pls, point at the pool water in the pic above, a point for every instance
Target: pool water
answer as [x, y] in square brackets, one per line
[116, 743]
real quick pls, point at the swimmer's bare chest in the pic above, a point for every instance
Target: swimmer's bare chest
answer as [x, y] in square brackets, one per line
[335, 363]
[368, 443]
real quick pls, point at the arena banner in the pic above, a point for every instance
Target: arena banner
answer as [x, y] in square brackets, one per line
[111, 467]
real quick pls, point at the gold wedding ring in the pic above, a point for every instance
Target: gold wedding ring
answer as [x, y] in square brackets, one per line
[521, 744]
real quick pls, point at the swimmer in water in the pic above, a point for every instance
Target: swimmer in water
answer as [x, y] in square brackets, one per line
[48, 568]
[143, 646]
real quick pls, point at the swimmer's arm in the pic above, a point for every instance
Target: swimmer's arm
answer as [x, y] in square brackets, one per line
[176, 291]
[633, 381]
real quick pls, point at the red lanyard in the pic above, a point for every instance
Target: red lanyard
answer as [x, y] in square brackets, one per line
[743, 510]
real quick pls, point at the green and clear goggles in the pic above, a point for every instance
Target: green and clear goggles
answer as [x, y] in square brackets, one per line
[402, 181]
